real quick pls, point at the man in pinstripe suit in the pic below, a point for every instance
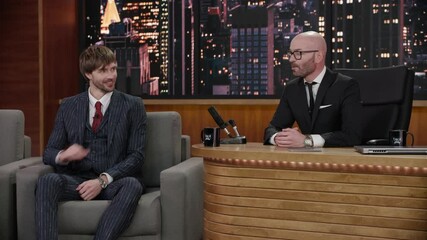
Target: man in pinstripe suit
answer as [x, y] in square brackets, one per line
[97, 150]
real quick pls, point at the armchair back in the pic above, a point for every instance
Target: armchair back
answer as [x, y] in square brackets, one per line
[162, 147]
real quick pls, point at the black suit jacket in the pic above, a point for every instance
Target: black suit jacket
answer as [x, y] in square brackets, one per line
[336, 114]
[126, 134]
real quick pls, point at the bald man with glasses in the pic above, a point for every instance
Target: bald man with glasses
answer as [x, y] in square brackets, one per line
[325, 105]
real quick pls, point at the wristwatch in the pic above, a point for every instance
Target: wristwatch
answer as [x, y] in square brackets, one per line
[102, 182]
[308, 141]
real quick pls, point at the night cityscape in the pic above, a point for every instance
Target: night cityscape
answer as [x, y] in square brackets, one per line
[237, 48]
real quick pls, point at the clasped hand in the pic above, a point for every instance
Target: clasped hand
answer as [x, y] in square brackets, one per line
[89, 189]
[289, 137]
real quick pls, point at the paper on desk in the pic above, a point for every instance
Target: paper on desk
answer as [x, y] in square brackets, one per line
[302, 149]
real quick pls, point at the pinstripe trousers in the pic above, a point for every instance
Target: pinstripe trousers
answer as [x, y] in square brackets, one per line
[54, 187]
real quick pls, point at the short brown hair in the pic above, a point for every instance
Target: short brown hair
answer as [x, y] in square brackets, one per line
[94, 57]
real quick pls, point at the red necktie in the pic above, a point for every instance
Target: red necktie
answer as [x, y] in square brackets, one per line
[97, 118]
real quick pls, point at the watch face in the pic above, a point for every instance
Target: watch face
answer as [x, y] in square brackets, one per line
[102, 182]
[308, 142]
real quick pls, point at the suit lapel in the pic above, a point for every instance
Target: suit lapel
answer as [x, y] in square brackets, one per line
[327, 81]
[115, 111]
[82, 113]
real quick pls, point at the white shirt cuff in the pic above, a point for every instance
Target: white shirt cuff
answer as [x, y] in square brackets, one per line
[318, 141]
[272, 139]
[109, 178]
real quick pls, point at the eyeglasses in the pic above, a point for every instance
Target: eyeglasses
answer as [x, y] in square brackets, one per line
[298, 54]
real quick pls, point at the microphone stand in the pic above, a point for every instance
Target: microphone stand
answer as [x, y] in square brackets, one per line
[234, 140]
[223, 125]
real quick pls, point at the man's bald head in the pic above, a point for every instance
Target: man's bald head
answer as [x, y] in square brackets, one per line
[312, 41]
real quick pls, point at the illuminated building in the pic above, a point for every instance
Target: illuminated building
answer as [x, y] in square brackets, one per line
[215, 56]
[415, 35]
[252, 50]
[146, 17]
[111, 15]
[182, 47]
[164, 47]
[364, 34]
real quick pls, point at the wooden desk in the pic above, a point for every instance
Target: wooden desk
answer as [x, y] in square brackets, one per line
[256, 192]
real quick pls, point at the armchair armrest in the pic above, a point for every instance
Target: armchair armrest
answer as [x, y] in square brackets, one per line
[185, 147]
[27, 146]
[26, 180]
[8, 197]
[181, 196]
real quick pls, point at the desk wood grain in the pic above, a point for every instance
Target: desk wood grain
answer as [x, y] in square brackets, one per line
[263, 192]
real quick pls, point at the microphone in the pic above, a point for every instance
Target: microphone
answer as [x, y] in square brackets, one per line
[233, 124]
[218, 119]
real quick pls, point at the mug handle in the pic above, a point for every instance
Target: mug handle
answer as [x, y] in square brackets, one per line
[412, 138]
[201, 136]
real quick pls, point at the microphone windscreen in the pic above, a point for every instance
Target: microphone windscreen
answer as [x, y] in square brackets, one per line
[218, 119]
[232, 122]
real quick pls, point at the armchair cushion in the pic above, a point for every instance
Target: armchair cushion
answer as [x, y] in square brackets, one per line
[83, 217]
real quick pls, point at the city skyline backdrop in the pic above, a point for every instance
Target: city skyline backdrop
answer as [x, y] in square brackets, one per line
[237, 49]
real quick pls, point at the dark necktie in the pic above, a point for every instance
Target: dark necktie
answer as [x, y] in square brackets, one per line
[97, 118]
[311, 97]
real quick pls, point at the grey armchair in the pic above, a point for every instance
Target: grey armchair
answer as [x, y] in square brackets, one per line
[14, 146]
[172, 207]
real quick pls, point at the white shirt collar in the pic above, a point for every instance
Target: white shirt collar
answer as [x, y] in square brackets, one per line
[105, 101]
[319, 77]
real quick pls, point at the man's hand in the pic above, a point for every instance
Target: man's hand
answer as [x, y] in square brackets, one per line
[289, 137]
[75, 152]
[89, 189]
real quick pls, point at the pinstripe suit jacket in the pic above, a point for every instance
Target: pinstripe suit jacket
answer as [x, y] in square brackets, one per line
[125, 137]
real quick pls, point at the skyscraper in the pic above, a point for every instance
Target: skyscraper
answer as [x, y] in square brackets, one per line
[164, 47]
[364, 34]
[181, 48]
[215, 56]
[111, 15]
[252, 49]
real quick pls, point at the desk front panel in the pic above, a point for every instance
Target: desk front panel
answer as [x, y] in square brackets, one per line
[254, 198]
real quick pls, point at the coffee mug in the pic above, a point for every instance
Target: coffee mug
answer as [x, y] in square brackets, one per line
[398, 137]
[211, 136]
